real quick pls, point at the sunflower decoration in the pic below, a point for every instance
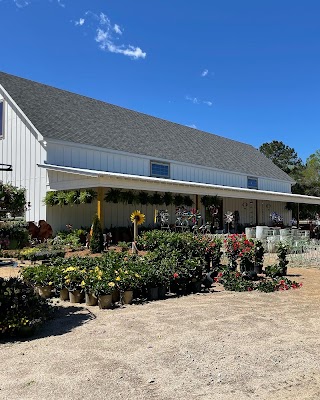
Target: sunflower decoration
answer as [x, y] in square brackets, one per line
[137, 217]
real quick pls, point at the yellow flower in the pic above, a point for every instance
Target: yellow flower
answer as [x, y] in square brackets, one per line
[111, 284]
[70, 269]
[138, 217]
[137, 275]
[50, 283]
[67, 281]
[118, 278]
[99, 278]
[83, 284]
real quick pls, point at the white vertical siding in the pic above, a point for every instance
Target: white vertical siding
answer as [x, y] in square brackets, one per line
[112, 161]
[114, 215]
[247, 211]
[20, 148]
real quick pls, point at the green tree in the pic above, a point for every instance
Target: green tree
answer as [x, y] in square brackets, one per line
[283, 156]
[96, 242]
[311, 175]
[12, 200]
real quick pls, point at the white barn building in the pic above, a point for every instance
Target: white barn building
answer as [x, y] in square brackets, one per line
[57, 140]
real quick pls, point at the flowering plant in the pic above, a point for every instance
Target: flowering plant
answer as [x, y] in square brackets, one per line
[20, 307]
[233, 249]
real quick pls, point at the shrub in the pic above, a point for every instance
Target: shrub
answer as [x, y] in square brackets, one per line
[96, 241]
[14, 231]
[39, 275]
[20, 307]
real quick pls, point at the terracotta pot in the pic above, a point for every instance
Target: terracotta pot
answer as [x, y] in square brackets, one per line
[75, 296]
[105, 301]
[127, 297]
[44, 291]
[64, 294]
[91, 300]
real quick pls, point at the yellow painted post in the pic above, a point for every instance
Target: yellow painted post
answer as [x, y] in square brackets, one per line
[100, 206]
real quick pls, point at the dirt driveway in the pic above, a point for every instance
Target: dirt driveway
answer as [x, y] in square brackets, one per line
[220, 345]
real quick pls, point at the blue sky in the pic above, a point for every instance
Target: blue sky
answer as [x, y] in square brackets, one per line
[247, 70]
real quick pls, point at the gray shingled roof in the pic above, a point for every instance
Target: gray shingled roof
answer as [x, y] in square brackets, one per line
[58, 114]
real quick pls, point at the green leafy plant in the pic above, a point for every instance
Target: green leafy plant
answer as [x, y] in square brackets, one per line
[69, 197]
[14, 231]
[124, 246]
[12, 200]
[208, 201]
[156, 199]
[167, 198]
[96, 241]
[21, 308]
[113, 196]
[178, 200]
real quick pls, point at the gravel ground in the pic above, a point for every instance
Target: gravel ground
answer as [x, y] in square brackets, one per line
[219, 345]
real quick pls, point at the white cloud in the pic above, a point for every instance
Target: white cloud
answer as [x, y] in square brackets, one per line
[105, 43]
[21, 3]
[194, 100]
[103, 19]
[192, 126]
[80, 22]
[117, 29]
[204, 72]
[25, 3]
[105, 38]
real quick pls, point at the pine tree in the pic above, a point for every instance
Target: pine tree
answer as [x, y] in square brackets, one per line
[96, 242]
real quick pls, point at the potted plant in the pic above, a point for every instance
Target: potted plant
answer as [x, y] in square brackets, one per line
[41, 277]
[113, 196]
[74, 281]
[103, 290]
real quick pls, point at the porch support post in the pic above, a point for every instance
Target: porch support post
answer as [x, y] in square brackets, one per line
[197, 201]
[298, 217]
[100, 206]
[257, 213]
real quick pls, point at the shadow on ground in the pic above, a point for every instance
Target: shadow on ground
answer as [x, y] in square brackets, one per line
[64, 320]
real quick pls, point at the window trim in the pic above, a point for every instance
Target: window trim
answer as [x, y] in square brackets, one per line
[256, 187]
[159, 163]
[2, 121]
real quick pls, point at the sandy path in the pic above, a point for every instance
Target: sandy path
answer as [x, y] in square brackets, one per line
[221, 345]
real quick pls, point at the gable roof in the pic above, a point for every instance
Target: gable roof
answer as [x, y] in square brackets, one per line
[62, 115]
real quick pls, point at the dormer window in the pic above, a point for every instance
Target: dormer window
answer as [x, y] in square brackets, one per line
[160, 170]
[252, 183]
[1, 118]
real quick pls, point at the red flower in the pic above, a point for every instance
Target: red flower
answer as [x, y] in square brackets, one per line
[216, 279]
[175, 275]
[249, 289]
[220, 274]
[300, 284]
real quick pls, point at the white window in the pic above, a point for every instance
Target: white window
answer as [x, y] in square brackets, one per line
[252, 183]
[160, 170]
